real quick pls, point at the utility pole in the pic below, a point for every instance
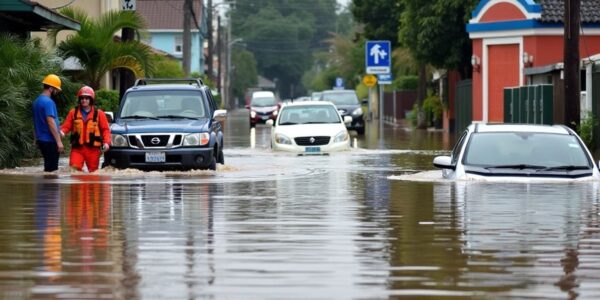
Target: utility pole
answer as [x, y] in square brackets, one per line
[571, 63]
[209, 19]
[126, 76]
[219, 50]
[187, 36]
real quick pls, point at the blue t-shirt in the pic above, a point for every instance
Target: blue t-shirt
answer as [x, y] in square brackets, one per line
[44, 107]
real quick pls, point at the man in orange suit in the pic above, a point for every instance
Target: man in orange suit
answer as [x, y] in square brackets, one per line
[90, 132]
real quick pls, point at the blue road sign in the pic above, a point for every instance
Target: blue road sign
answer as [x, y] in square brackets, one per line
[384, 78]
[339, 83]
[378, 57]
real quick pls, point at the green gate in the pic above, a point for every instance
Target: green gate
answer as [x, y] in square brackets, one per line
[463, 105]
[532, 104]
[596, 105]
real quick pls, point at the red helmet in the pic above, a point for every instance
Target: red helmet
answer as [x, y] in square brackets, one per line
[87, 91]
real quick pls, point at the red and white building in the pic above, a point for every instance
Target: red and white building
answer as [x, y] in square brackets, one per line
[511, 35]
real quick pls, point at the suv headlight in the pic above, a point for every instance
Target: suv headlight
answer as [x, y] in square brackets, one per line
[341, 137]
[196, 139]
[253, 114]
[282, 139]
[118, 140]
[357, 112]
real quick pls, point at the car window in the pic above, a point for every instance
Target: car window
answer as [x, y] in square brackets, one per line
[313, 114]
[263, 101]
[514, 148]
[211, 100]
[458, 147]
[164, 103]
[340, 98]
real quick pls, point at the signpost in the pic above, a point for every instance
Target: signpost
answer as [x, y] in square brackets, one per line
[378, 57]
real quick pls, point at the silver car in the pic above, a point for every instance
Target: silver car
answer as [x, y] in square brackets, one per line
[518, 152]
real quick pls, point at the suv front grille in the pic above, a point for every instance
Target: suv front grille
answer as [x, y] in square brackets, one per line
[316, 140]
[155, 141]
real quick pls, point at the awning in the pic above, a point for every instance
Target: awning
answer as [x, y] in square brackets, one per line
[20, 16]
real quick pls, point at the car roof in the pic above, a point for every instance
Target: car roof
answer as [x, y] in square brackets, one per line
[338, 91]
[308, 103]
[556, 129]
[162, 87]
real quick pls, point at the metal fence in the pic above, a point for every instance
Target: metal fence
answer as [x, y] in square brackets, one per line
[532, 104]
[463, 105]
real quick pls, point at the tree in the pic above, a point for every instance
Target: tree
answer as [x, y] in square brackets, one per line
[380, 18]
[165, 67]
[95, 46]
[245, 74]
[283, 35]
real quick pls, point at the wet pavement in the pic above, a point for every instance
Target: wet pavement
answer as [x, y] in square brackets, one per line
[278, 226]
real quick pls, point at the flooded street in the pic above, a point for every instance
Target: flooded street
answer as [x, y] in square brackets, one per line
[278, 226]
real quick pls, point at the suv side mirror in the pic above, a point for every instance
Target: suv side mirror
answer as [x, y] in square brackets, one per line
[220, 115]
[270, 122]
[110, 116]
[365, 101]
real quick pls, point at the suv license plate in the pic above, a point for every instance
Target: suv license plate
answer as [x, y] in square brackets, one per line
[312, 149]
[155, 157]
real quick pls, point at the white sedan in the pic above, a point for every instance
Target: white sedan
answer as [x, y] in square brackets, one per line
[310, 127]
[518, 152]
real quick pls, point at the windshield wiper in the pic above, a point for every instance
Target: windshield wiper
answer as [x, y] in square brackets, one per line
[516, 166]
[139, 117]
[288, 123]
[177, 117]
[315, 122]
[565, 167]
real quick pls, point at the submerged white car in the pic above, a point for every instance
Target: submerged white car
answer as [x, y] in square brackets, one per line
[518, 152]
[310, 127]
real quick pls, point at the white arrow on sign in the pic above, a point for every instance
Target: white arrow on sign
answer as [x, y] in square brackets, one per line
[377, 53]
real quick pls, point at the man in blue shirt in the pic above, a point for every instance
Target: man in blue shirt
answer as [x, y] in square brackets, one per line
[45, 122]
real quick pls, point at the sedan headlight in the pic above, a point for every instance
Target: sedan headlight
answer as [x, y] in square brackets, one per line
[282, 139]
[118, 140]
[341, 137]
[196, 139]
[357, 112]
[253, 114]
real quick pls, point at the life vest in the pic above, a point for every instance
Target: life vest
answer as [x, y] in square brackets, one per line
[93, 137]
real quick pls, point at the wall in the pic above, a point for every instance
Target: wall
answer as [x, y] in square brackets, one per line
[165, 41]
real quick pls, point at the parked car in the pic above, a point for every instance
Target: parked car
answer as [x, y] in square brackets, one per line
[348, 105]
[310, 127]
[263, 106]
[518, 152]
[167, 126]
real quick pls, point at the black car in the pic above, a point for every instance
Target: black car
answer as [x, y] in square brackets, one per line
[347, 104]
[167, 126]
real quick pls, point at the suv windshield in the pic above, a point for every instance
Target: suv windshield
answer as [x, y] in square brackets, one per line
[341, 98]
[545, 150]
[309, 114]
[263, 101]
[164, 104]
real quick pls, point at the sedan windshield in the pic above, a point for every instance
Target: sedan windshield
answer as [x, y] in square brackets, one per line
[525, 150]
[309, 114]
[264, 101]
[341, 98]
[164, 104]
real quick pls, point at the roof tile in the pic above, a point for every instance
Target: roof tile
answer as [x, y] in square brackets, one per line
[166, 14]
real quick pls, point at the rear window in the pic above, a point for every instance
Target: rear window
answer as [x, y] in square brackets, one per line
[164, 103]
[341, 98]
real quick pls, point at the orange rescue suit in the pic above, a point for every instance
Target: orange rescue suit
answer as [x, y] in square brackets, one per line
[87, 136]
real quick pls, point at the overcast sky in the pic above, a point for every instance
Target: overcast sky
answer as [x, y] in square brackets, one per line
[344, 2]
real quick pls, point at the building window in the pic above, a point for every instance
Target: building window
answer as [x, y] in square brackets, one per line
[178, 44]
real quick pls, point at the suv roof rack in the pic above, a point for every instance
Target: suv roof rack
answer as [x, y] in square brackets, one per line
[145, 81]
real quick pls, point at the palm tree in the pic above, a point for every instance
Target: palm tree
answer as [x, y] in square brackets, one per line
[95, 46]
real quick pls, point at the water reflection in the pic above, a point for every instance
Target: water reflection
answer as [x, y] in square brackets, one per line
[48, 226]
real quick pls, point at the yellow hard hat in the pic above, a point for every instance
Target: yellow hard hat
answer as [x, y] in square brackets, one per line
[52, 80]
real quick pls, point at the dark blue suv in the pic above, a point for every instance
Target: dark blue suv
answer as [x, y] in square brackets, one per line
[167, 126]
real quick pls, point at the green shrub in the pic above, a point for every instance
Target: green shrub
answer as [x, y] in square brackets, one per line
[433, 108]
[406, 82]
[586, 130]
[165, 67]
[107, 100]
[23, 65]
